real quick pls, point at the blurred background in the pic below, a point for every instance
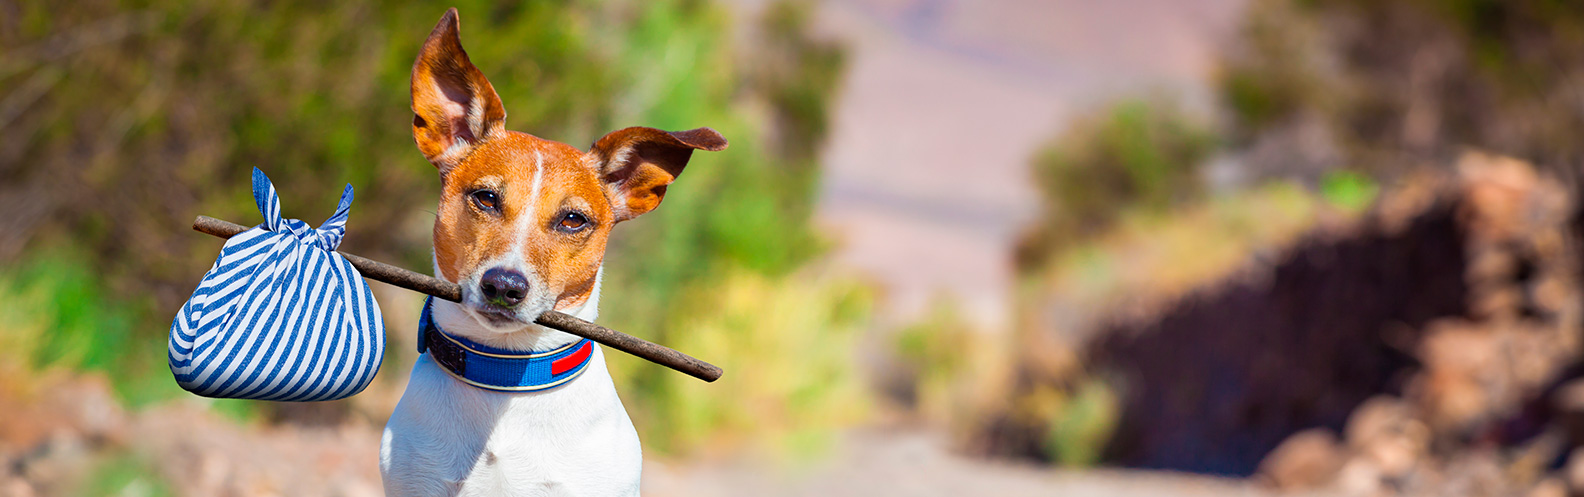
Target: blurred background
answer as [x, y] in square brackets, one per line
[1008, 247]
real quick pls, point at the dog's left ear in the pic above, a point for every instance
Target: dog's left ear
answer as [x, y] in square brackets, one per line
[636, 164]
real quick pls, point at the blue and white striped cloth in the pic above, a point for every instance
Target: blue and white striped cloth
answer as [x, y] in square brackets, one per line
[281, 315]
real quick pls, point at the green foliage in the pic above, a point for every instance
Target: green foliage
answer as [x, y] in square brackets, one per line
[318, 97]
[1083, 424]
[1133, 155]
[125, 475]
[735, 222]
[945, 361]
[936, 341]
[1413, 78]
[799, 75]
[1519, 42]
[787, 345]
[1349, 190]
[1279, 69]
[58, 315]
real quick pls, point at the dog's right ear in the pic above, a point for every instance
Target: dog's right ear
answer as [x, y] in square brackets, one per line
[454, 107]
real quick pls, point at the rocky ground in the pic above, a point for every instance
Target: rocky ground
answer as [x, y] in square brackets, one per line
[919, 463]
[1491, 401]
[55, 438]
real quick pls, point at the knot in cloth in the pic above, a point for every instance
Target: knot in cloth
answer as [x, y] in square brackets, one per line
[280, 316]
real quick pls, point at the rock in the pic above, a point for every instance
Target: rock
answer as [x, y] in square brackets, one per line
[212, 456]
[1306, 460]
[1517, 229]
[1459, 294]
[1360, 477]
[54, 466]
[1505, 198]
[16, 487]
[82, 405]
[1451, 391]
[1383, 432]
[1574, 471]
[1476, 472]
[1569, 404]
[1549, 487]
[88, 406]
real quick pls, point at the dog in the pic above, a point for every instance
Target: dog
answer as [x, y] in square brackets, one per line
[522, 228]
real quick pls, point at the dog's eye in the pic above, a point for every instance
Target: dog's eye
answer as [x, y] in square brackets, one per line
[486, 200]
[571, 222]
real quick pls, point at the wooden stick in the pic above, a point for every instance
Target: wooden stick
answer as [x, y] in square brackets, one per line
[379, 271]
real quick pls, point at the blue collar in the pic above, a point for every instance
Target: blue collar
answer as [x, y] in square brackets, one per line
[501, 370]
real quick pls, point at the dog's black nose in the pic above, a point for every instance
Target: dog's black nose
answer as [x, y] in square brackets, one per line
[504, 287]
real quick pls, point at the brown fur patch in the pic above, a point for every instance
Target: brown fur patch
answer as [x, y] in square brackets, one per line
[452, 101]
[466, 237]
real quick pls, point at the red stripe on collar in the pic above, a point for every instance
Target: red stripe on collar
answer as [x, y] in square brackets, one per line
[571, 362]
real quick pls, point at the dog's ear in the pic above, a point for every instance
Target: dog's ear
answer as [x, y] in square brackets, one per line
[635, 164]
[454, 107]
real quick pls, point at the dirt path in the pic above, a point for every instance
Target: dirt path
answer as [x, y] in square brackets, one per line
[76, 424]
[884, 463]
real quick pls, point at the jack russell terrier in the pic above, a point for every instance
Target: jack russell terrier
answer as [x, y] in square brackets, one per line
[497, 405]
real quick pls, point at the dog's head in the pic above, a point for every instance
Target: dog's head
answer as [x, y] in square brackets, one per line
[523, 221]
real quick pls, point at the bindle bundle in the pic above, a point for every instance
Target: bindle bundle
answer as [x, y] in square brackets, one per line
[283, 315]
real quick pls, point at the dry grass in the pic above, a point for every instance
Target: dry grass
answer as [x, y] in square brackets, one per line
[788, 346]
[1151, 259]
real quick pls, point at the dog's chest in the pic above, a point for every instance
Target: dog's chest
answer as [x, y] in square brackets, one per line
[574, 440]
[566, 450]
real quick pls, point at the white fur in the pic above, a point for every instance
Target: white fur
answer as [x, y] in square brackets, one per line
[450, 438]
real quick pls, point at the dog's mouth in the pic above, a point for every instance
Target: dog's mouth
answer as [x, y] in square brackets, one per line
[501, 316]
[496, 315]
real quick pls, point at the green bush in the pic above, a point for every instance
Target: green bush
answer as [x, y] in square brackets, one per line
[1278, 71]
[58, 316]
[1133, 155]
[1349, 190]
[1082, 424]
[787, 345]
[1395, 82]
[124, 474]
